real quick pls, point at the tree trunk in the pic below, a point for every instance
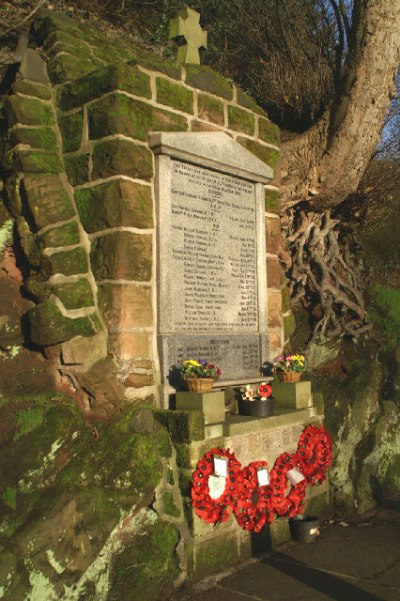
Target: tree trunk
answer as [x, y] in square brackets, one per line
[325, 164]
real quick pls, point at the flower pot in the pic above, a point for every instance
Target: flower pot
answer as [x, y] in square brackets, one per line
[289, 376]
[199, 384]
[304, 528]
[257, 408]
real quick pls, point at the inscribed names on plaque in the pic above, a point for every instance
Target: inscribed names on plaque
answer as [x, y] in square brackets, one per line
[213, 251]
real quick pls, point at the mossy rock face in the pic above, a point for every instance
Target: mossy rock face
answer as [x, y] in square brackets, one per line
[211, 109]
[23, 86]
[272, 204]
[248, 102]
[48, 326]
[43, 137]
[241, 120]
[71, 127]
[208, 80]
[120, 157]
[147, 571]
[63, 494]
[29, 243]
[268, 132]
[385, 311]
[36, 162]
[174, 95]
[123, 76]
[64, 235]
[122, 255]
[70, 66]
[77, 168]
[115, 204]
[183, 426]
[119, 114]
[75, 295]
[67, 262]
[28, 111]
[46, 200]
[264, 153]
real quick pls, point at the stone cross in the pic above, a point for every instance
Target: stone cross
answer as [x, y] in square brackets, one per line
[186, 31]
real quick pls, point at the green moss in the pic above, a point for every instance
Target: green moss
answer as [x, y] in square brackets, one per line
[289, 326]
[65, 235]
[68, 262]
[174, 95]
[170, 477]
[147, 571]
[210, 109]
[65, 67]
[208, 80]
[46, 199]
[164, 444]
[385, 311]
[71, 127]
[9, 497]
[29, 243]
[48, 326]
[272, 204]
[28, 111]
[115, 204]
[32, 161]
[120, 157]
[32, 89]
[264, 153]
[28, 420]
[77, 168]
[43, 137]
[215, 554]
[169, 505]
[183, 426]
[269, 132]
[123, 76]
[286, 305]
[120, 114]
[248, 102]
[241, 120]
[75, 295]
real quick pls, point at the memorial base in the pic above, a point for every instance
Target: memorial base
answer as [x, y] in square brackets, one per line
[292, 395]
[212, 404]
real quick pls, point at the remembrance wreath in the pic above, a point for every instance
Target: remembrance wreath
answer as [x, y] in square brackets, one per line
[209, 509]
[292, 503]
[315, 453]
[253, 508]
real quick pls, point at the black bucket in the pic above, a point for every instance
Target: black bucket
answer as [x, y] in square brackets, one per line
[257, 408]
[304, 528]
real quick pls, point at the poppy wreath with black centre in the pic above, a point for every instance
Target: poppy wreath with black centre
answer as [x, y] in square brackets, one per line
[315, 453]
[253, 506]
[214, 511]
[292, 503]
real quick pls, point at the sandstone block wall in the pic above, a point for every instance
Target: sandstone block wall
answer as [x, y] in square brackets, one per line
[81, 175]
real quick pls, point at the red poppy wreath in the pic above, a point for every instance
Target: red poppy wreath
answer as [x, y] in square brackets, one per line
[216, 507]
[292, 503]
[315, 453]
[253, 507]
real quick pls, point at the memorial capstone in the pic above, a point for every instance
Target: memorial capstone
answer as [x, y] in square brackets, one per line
[211, 253]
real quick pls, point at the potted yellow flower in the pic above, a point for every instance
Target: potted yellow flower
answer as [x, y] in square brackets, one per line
[199, 375]
[290, 367]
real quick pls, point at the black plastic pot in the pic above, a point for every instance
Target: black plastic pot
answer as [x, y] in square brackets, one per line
[304, 528]
[257, 408]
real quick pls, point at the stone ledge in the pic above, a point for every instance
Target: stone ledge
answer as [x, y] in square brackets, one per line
[240, 424]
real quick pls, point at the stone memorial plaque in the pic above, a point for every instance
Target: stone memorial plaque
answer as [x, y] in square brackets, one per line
[211, 253]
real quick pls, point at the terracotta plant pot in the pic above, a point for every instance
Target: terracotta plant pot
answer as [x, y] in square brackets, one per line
[289, 376]
[257, 408]
[199, 384]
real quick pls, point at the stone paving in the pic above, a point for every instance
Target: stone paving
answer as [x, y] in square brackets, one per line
[353, 560]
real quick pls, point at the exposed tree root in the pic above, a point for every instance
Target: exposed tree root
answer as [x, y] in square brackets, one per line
[323, 274]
